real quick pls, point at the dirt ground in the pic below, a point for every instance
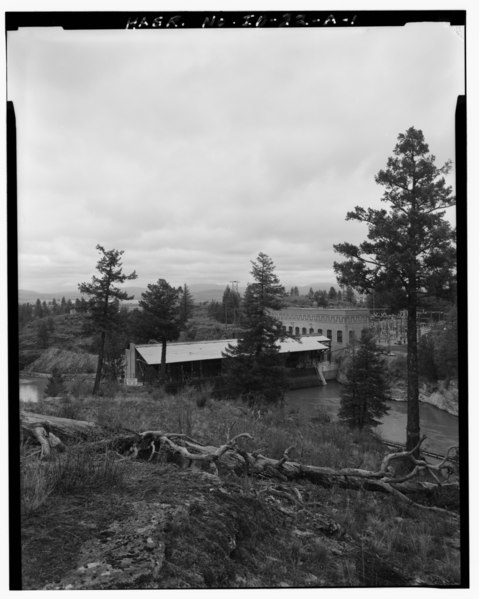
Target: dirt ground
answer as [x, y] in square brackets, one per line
[170, 528]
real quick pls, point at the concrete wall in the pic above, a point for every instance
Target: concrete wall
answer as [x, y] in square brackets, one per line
[339, 324]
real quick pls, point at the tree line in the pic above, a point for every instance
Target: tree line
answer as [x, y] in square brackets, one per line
[322, 298]
[41, 309]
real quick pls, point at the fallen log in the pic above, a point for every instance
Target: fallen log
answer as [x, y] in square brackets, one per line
[49, 431]
[231, 457]
[187, 452]
[62, 427]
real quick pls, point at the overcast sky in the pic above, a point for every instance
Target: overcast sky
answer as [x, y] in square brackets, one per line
[194, 150]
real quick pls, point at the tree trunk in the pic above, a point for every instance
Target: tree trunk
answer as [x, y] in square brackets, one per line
[99, 368]
[163, 361]
[413, 429]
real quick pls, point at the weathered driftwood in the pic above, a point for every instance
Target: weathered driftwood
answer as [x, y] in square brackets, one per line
[49, 431]
[229, 455]
[187, 452]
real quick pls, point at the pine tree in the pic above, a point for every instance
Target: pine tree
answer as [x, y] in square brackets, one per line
[253, 369]
[161, 315]
[43, 334]
[364, 396]
[55, 385]
[350, 297]
[187, 305]
[231, 305]
[105, 297]
[410, 251]
[55, 307]
[38, 310]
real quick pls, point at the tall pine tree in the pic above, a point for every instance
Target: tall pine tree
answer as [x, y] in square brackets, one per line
[253, 369]
[187, 305]
[410, 248]
[161, 316]
[104, 302]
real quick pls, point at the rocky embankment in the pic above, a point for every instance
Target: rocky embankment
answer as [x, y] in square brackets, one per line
[442, 396]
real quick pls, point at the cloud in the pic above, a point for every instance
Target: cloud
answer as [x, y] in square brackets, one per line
[195, 150]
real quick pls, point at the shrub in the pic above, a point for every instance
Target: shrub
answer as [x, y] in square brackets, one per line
[80, 386]
[55, 385]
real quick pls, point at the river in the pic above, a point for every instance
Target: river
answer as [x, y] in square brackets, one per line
[32, 388]
[440, 428]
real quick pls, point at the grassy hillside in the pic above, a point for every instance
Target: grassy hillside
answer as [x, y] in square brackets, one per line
[95, 520]
[64, 333]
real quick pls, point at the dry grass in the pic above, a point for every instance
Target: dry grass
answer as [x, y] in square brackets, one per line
[415, 542]
[77, 469]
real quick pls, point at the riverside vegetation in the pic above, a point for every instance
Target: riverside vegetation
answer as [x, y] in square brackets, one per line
[92, 519]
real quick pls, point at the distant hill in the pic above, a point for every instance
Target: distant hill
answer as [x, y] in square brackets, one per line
[28, 296]
[201, 292]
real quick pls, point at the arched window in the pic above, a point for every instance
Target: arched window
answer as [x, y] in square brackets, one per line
[311, 331]
[320, 331]
[351, 336]
[290, 330]
[340, 336]
[303, 332]
[329, 334]
[296, 331]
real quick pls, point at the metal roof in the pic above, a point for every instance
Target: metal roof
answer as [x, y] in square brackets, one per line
[193, 351]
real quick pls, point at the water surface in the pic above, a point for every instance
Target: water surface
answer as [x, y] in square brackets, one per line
[441, 428]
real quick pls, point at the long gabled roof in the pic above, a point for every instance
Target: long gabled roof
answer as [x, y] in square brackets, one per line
[193, 351]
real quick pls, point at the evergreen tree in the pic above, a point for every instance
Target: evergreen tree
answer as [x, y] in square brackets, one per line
[187, 305]
[51, 324]
[161, 315]
[216, 311]
[410, 251]
[43, 334]
[55, 307]
[254, 369]
[55, 385]
[332, 295]
[105, 297]
[350, 297]
[25, 314]
[364, 396]
[38, 311]
[321, 298]
[231, 305]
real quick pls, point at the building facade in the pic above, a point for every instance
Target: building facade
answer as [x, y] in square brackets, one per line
[340, 325]
[201, 361]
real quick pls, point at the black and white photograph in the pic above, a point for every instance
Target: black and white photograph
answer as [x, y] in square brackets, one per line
[237, 299]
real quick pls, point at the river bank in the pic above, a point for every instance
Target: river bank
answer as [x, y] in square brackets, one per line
[438, 395]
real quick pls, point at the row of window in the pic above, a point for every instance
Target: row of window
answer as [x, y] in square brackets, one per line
[329, 333]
